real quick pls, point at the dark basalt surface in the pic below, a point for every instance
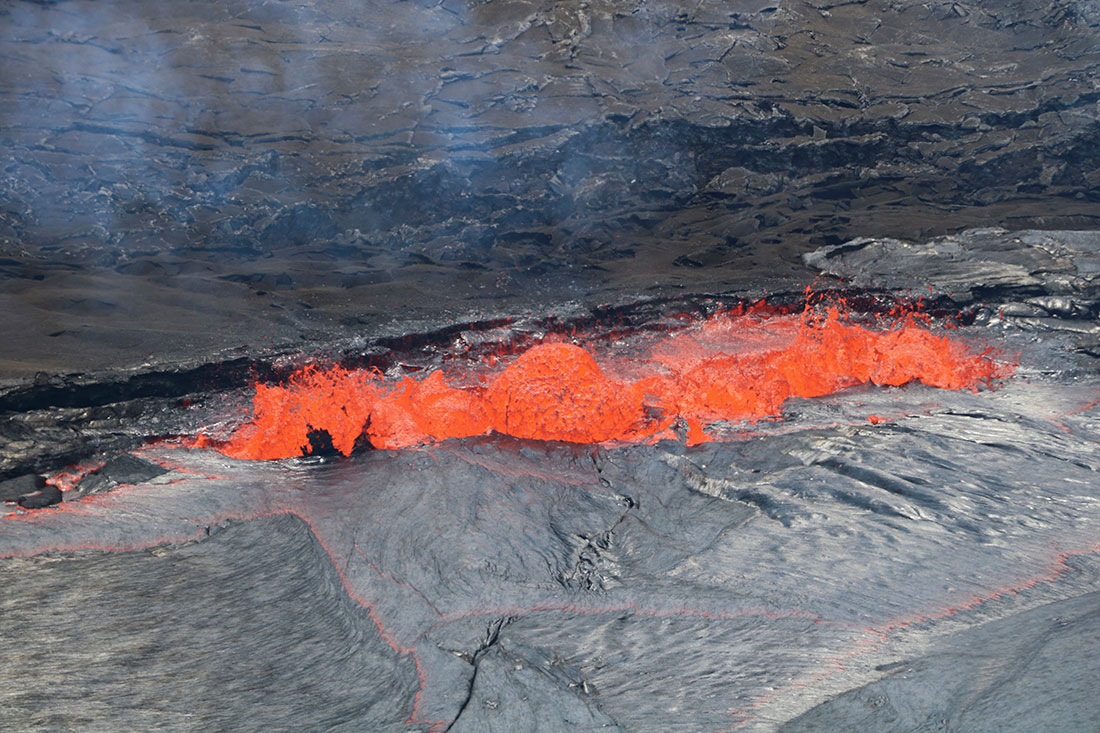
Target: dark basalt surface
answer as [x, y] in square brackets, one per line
[197, 177]
[1037, 280]
[13, 488]
[197, 195]
[119, 471]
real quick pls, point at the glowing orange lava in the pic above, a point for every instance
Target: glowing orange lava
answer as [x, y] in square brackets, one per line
[732, 366]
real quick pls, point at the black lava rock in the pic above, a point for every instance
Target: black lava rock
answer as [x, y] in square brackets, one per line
[45, 496]
[124, 469]
[320, 444]
[14, 488]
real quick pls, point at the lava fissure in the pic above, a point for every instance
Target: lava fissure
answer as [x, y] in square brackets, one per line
[736, 365]
[492, 636]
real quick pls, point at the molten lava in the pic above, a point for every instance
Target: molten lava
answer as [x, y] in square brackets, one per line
[731, 367]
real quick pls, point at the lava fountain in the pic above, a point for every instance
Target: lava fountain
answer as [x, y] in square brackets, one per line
[736, 365]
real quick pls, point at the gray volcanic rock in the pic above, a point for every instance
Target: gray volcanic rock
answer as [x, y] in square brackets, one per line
[13, 488]
[278, 639]
[198, 195]
[1057, 272]
[40, 498]
[123, 469]
[1005, 675]
[522, 688]
[1034, 280]
[190, 177]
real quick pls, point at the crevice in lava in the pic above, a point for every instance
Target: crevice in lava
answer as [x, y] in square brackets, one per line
[492, 636]
[65, 419]
[593, 385]
[97, 390]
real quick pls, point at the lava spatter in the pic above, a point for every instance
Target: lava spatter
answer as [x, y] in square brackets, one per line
[558, 392]
[737, 365]
[335, 400]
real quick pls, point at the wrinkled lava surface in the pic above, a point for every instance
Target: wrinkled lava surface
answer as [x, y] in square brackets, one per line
[434, 206]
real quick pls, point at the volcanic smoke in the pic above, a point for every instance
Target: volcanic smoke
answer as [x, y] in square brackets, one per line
[732, 366]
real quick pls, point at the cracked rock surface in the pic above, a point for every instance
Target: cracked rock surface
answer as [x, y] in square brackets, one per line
[726, 586]
[198, 195]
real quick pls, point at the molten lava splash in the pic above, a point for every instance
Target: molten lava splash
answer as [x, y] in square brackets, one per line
[733, 366]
